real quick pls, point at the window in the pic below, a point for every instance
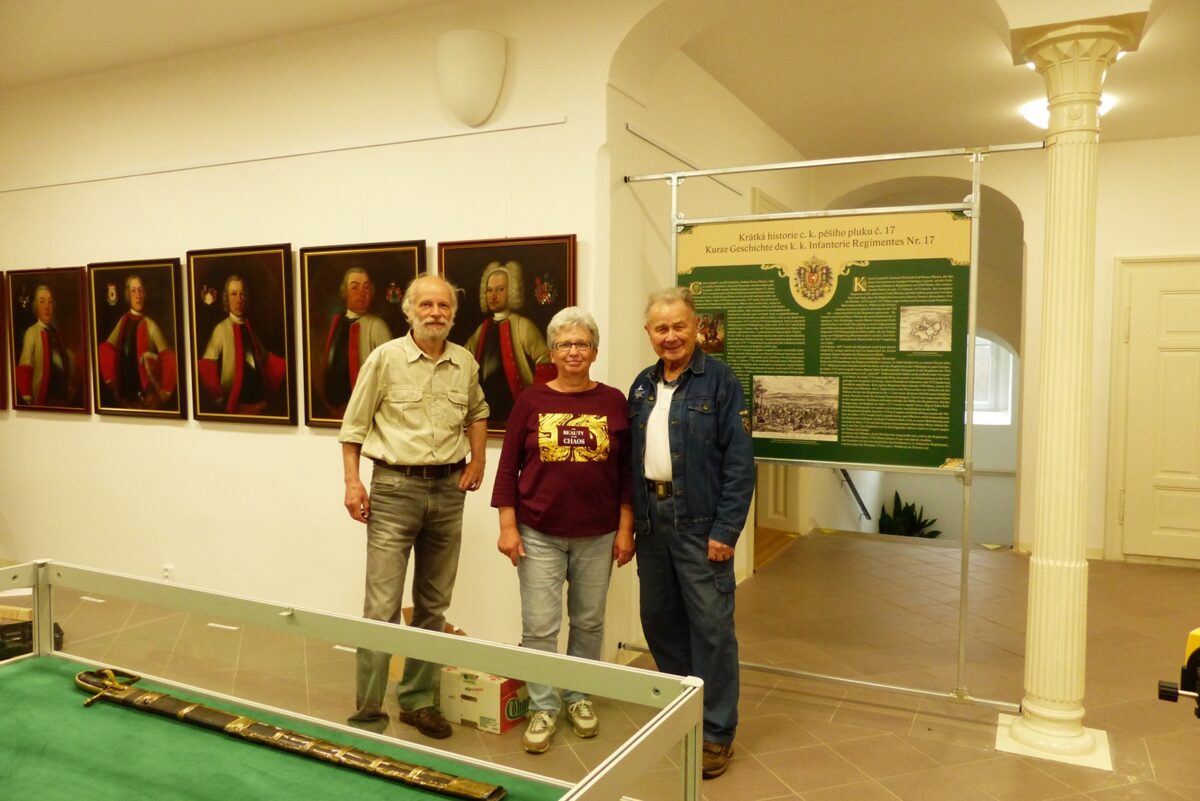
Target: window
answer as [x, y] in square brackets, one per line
[993, 383]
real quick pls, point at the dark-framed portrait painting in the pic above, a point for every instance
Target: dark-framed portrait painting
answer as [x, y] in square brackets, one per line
[350, 305]
[136, 313]
[47, 313]
[242, 334]
[3, 345]
[511, 288]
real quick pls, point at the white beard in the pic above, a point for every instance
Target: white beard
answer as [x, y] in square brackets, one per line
[422, 331]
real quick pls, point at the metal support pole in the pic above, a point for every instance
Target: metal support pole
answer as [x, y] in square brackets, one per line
[964, 579]
[675, 181]
[43, 619]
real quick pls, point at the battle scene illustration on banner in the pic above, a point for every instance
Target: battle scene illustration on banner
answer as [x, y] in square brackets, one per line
[849, 334]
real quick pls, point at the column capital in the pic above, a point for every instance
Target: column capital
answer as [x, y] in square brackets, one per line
[1029, 44]
[1073, 59]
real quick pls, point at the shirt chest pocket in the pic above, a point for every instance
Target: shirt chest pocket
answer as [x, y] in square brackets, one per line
[404, 396]
[702, 418]
[449, 410]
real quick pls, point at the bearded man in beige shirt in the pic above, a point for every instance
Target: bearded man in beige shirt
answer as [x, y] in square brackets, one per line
[416, 410]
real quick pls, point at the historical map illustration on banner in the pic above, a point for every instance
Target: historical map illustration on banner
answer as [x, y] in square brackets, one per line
[848, 333]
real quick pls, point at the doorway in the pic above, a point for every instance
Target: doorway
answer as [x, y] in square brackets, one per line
[1154, 462]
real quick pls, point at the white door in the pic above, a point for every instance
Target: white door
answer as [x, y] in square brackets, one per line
[1161, 465]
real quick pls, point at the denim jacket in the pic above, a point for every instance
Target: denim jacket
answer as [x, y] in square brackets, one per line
[712, 458]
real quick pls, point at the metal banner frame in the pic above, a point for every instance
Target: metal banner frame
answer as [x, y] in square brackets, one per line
[969, 206]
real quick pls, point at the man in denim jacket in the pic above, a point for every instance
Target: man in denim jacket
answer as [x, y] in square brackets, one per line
[693, 469]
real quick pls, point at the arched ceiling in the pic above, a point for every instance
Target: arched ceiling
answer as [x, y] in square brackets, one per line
[854, 77]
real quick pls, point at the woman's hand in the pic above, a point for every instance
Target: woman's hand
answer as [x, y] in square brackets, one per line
[510, 544]
[623, 547]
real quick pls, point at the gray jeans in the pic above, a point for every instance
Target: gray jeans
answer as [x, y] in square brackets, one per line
[409, 515]
[584, 564]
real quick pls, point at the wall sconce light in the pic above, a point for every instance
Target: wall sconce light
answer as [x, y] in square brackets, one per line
[470, 72]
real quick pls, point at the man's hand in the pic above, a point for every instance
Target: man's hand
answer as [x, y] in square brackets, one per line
[623, 547]
[472, 476]
[358, 502]
[719, 551]
[510, 544]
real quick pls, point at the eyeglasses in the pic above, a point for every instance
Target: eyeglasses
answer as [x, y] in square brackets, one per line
[565, 347]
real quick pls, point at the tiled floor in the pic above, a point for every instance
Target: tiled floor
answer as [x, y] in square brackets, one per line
[881, 611]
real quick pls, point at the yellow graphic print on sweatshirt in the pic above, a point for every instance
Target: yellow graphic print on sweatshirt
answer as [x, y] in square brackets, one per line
[564, 437]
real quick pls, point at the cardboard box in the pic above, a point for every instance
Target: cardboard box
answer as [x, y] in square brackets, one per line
[486, 702]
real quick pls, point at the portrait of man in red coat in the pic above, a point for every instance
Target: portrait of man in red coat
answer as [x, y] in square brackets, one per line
[47, 314]
[509, 347]
[237, 373]
[137, 360]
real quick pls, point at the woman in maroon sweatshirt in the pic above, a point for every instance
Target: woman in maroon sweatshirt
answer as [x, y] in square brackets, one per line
[564, 494]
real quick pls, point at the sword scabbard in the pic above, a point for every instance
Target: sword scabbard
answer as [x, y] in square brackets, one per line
[114, 686]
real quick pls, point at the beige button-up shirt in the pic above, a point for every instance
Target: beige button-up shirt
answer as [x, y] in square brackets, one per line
[408, 409]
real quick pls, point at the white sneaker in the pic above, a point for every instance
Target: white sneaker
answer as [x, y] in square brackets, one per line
[539, 731]
[583, 718]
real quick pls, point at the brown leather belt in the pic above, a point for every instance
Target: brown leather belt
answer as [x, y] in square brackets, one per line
[422, 470]
[660, 489]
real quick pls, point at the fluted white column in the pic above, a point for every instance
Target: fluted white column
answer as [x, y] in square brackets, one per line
[1073, 60]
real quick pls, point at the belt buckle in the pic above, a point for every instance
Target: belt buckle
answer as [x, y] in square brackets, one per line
[662, 489]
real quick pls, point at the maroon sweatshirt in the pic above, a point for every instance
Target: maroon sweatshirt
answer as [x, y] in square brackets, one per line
[565, 465]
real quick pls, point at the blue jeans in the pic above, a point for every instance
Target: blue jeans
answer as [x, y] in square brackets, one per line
[687, 614]
[585, 563]
[408, 515]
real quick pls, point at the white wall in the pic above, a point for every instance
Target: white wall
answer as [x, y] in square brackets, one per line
[993, 491]
[328, 137]
[256, 510]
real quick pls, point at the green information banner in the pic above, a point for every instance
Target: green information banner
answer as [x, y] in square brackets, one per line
[849, 334]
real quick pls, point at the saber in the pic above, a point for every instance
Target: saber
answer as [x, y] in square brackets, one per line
[114, 686]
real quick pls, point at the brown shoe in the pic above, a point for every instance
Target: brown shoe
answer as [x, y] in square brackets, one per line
[428, 720]
[716, 759]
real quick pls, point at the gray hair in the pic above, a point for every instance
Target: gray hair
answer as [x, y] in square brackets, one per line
[516, 284]
[225, 290]
[572, 317]
[346, 278]
[406, 305]
[672, 294]
[129, 279]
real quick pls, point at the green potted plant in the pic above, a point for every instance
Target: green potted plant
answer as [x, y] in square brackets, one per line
[906, 520]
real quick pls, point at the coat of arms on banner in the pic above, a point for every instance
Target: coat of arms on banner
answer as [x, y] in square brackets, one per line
[812, 283]
[813, 279]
